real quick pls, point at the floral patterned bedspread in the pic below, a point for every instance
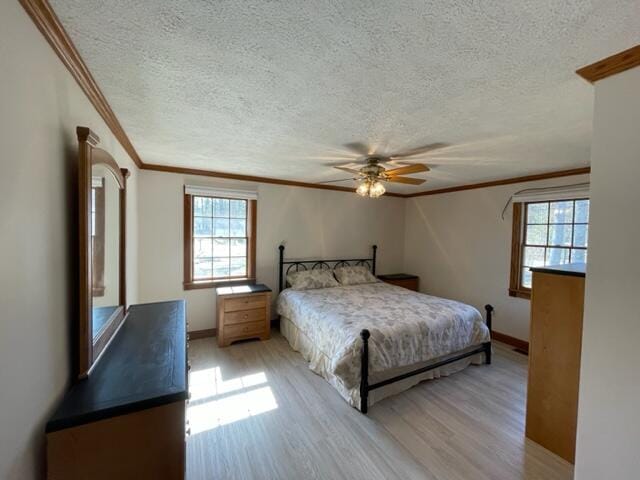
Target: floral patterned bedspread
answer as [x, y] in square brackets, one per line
[406, 327]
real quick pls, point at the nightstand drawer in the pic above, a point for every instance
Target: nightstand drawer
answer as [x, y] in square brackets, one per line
[245, 316]
[245, 303]
[245, 329]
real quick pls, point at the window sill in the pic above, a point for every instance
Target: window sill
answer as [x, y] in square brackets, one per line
[520, 293]
[217, 283]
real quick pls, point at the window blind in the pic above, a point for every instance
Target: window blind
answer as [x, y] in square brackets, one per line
[220, 192]
[552, 193]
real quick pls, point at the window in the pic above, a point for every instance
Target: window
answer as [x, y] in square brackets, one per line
[546, 233]
[219, 240]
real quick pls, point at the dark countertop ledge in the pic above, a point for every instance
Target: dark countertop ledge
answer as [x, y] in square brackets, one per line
[247, 289]
[572, 269]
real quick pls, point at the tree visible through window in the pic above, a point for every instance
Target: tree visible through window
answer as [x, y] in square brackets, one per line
[547, 233]
[219, 239]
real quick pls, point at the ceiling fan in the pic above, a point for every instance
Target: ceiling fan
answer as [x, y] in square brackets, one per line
[372, 174]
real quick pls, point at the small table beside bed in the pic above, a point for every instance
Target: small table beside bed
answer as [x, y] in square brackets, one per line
[370, 339]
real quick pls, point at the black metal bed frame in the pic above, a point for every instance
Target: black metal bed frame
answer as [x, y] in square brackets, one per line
[365, 387]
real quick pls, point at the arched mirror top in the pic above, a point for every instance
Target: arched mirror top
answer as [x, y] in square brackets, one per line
[102, 158]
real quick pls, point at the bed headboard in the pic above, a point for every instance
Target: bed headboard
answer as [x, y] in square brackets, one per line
[297, 265]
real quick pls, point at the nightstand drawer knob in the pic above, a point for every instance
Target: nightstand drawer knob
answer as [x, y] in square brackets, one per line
[246, 316]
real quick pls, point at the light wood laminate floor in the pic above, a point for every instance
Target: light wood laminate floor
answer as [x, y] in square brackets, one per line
[258, 412]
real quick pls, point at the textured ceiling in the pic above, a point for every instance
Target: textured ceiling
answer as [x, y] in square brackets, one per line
[277, 88]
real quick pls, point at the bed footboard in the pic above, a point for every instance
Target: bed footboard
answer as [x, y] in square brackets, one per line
[365, 388]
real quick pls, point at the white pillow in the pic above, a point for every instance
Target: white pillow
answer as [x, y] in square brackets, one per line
[354, 275]
[311, 279]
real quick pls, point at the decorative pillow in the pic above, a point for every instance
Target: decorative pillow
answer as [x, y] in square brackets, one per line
[310, 279]
[354, 275]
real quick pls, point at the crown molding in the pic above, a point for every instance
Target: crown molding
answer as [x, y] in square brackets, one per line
[505, 181]
[49, 25]
[611, 65]
[291, 183]
[251, 178]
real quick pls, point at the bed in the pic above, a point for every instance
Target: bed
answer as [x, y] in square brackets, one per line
[373, 340]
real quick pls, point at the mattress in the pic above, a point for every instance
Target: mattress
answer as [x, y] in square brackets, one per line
[408, 329]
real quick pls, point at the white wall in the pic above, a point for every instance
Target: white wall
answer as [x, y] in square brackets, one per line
[461, 249]
[455, 242]
[608, 412]
[314, 223]
[40, 106]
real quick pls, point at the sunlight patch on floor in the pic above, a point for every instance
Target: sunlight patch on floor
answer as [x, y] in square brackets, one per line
[209, 383]
[216, 402]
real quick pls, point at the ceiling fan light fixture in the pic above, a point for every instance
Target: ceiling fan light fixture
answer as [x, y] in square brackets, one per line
[376, 189]
[363, 189]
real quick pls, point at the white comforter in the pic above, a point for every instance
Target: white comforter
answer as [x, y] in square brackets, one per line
[406, 327]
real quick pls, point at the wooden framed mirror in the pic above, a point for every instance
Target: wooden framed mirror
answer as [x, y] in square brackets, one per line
[102, 253]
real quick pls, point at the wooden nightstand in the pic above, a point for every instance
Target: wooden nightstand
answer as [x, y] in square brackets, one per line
[243, 312]
[402, 280]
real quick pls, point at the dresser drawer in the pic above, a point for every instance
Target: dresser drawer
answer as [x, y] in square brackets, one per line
[245, 329]
[249, 302]
[245, 316]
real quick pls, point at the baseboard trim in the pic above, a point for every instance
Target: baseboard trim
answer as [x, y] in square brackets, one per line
[521, 345]
[196, 334]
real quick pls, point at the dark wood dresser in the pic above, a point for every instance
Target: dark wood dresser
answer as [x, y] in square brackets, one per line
[402, 280]
[127, 420]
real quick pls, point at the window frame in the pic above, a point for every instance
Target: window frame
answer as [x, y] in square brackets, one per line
[189, 282]
[518, 238]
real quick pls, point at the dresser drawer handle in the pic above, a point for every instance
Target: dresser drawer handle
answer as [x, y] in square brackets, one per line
[246, 315]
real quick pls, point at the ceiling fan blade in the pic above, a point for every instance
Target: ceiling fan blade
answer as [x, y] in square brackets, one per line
[341, 180]
[359, 148]
[407, 180]
[419, 150]
[415, 168]
[350, 170]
